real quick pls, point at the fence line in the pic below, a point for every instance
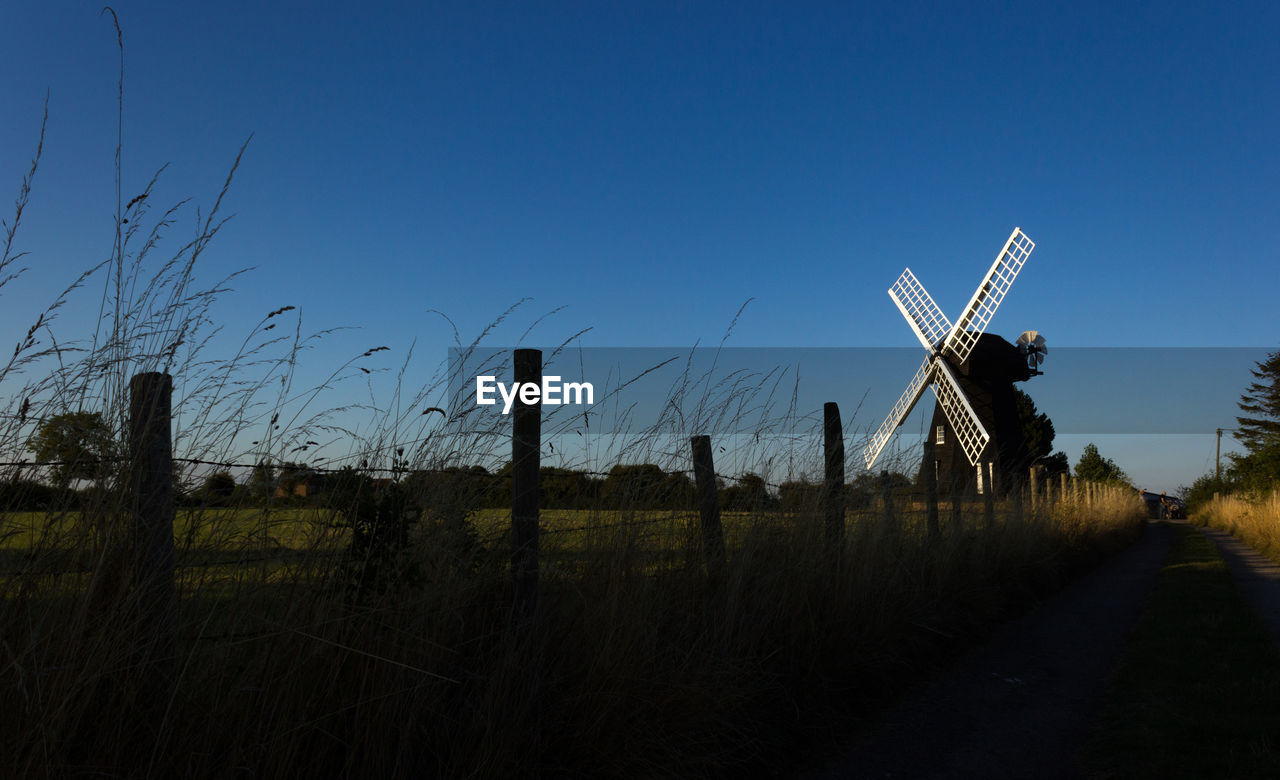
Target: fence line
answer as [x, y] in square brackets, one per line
[152, 508]
[833, 478]
[526, 454]
[708, 506]
[358, 469]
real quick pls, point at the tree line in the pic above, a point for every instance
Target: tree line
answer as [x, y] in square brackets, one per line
[83, 449]
[643, 486]
[1257, 469]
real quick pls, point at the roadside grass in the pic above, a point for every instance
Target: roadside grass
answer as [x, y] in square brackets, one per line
[1250, 517]
[1198, 691]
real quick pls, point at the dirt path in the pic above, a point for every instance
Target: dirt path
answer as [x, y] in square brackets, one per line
[1023, 705]
[1257, 577]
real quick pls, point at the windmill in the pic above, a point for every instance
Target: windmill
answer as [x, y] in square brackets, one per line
[975, 429]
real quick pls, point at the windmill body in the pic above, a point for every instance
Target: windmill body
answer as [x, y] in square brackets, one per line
[979, 440]
[986, 378]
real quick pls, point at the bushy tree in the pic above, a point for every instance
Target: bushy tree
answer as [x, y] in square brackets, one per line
[458, 490]
[748, 493]
[560, 488]
[1096, 468]
[866, 486]
[1056, 464]
[800, 495]
[219, 487]
[1202, 490]
[79, 442]
[1259, 428]
[645, 486]
[21, 495]
[1258, 469]
[1037, 429]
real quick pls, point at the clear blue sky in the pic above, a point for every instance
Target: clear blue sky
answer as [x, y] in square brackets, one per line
[654, 166]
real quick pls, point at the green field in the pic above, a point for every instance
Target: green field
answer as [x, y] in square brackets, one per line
[211, 534]
[198, 531]
[241, 545]
[216, 548]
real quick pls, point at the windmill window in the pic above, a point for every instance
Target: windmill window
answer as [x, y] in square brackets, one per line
[941, 437]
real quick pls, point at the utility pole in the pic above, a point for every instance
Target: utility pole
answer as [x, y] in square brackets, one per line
[1217, 455]
[1217, 459]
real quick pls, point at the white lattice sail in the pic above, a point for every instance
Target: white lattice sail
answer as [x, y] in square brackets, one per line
[928, 322]
[970, 432]
[906, 402]
[945, 341]
[986, 299]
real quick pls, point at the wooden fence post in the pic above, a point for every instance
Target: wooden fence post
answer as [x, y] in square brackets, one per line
[931, 489]
[151, 476]
[704, 474]
[526, 461]
[1064, 479]
[152, 556]
[1035, 489]
[833, 486]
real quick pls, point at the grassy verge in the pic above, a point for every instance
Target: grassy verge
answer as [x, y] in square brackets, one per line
[1253, 518]
[1198, 691]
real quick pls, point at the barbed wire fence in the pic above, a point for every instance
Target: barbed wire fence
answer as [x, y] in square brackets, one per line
[308, 468]
[519, 485]
[157, 494]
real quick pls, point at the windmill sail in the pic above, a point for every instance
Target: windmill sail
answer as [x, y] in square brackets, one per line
[945, 343]
[923, 315]
[906, 402]
[982, 306]
[964, 420]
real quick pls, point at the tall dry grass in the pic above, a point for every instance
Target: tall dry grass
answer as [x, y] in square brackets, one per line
[629, 668]
[1254, 518]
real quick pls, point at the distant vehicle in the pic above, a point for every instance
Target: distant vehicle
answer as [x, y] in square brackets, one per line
[1161, 506]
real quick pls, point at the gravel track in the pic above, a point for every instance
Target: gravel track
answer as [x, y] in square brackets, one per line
[1257, 577]
[1024, 704]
